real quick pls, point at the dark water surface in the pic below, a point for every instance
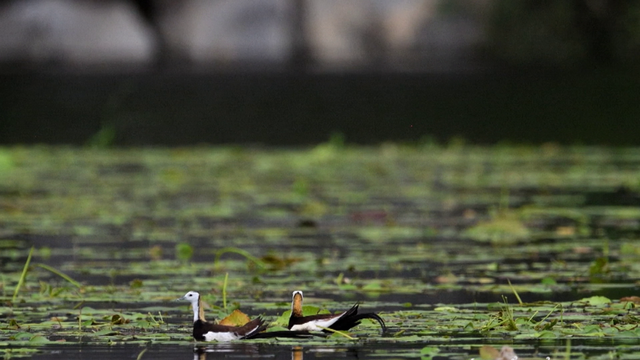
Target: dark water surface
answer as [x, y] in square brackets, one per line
[595, 349]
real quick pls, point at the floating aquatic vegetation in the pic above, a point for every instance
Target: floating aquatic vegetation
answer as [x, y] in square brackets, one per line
[96, 242]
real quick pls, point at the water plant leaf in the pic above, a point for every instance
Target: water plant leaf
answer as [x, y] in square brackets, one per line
[546, 334]
[373, 286]
[13, 323]
[392, 231]
[596, 300]
[236, 318]
[446, 309]
[38, 339]
[23, 275]
[504, 229]
[105, 332]
[61, 274]
[242, 252]
[429, 352]
[117, 319]
[22, 335]
[338, 333]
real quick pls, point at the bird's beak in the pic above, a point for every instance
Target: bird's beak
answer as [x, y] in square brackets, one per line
[178, 299]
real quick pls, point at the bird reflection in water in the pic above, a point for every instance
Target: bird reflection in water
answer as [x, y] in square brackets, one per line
[274, 351]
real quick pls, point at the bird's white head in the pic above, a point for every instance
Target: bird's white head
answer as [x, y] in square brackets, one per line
[194, 298]
[191, 297]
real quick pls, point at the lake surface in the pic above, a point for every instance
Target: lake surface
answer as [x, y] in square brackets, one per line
[455, 247]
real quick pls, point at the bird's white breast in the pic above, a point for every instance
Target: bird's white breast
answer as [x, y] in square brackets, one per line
[221, 336]
[315, 325]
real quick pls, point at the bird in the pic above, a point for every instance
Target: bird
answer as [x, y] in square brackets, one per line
[341, 322]
[206, 331]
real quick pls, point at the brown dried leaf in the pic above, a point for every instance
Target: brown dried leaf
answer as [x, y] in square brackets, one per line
[236, 318]
[633, 299]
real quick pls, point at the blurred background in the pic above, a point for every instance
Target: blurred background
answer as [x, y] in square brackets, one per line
[297, 72]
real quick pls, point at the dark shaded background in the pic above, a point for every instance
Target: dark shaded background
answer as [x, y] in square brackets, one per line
[550, 71]
[572, 107]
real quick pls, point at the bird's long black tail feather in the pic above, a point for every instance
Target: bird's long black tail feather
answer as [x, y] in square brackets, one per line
[261, 327]
[372, 316]
[352, 319]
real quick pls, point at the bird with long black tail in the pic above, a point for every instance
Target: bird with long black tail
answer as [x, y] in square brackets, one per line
[321, 322]
[254, 329]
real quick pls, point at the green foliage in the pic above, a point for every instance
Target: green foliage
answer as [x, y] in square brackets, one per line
[596, 301]
[259, 263]
[599, 270]
[61, 274]
[389, 232]
[337, 140]
[6, 162]
[429, 352]
[184, 251]
[505, 228]
[23, 275]
[301, 187]
[104, 138]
